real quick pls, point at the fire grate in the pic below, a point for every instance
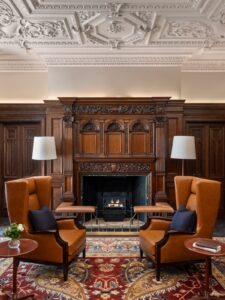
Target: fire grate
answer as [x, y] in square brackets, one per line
[114, 206]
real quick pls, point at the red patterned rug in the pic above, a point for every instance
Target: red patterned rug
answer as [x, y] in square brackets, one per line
[112, 278]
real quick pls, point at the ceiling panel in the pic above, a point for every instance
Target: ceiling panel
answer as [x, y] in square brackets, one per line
[36, 34]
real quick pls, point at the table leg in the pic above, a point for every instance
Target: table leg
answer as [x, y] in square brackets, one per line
[207, 274]
[15, 268]
[206, 287]
[14, 295]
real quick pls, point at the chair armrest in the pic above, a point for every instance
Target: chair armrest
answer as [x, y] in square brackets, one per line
[173, 234]
[47, 236]
[71, 223]
[157, 223]
[43, 232]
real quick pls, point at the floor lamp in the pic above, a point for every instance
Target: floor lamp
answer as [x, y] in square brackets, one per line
[183, 148]
[44, 148]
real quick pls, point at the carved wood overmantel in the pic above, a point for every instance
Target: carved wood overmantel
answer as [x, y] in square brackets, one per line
[116, 136]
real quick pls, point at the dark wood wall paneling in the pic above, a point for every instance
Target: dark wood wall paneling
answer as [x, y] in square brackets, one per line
[18, 125]
[207, 123]
[83, 138]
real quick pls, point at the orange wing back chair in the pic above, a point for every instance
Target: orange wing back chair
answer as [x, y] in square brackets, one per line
[59, 246]
[164, 245]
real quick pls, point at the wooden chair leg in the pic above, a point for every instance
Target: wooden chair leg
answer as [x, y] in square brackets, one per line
[210, 267]
[157, 271]
[84, 252]
[65, 272]
[65, 263]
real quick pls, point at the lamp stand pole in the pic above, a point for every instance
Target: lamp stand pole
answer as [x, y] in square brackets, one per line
[182, 167]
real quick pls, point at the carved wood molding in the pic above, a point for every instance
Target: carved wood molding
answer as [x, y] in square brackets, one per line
[68, 115]
[160, 121]
[120, 167]
[90, 127]
[118, 109]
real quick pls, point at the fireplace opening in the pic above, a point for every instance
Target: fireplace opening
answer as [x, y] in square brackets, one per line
[114, 196]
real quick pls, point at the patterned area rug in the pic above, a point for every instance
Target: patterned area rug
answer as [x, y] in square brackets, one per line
[113, 247]
[115, 274]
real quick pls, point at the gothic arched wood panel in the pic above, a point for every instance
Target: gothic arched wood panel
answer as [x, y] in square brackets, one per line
[114, 138]
[139, 138]
[89, 138]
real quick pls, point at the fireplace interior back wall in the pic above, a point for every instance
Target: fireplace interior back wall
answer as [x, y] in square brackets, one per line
[133, 187]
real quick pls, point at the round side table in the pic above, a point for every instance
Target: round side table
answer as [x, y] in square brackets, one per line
[26, 246]
[208, 254]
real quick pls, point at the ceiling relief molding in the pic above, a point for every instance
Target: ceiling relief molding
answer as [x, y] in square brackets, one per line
[53, 29]
[21, 31]
[68, 5]
[6, 14]
[91, 33]
[204, 66]
[188, 30]
[96, 60]
[22, 66]
[114, 27]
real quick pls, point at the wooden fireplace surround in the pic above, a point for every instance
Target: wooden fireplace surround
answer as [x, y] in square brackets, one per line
[118, 136]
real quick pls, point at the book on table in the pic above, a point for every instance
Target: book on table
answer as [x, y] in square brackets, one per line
[207, 246]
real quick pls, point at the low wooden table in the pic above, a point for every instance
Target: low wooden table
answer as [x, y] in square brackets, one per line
[68, 208]
[158, 208]
[189, 245]
[26, 246]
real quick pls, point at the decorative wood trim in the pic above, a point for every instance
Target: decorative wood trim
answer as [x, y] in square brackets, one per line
[89, 126]
[114, 167]
[160, 121]
[114, 109]
[68, 115]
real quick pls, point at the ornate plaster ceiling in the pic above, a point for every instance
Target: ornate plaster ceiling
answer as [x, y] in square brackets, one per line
[36, 34]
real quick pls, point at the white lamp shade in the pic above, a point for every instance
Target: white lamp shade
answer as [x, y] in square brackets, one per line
[183, 147]
[44, 148]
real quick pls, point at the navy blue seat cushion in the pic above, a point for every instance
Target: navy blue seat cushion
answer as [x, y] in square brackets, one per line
[42, 219]
[184, 219]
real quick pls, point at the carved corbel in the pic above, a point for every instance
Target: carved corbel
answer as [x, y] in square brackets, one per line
[68, 116]
[160, 121]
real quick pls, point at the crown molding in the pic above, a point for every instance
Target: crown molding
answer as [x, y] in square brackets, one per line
[204, 66]
[22, 65]
[114, 60]
[35, 65]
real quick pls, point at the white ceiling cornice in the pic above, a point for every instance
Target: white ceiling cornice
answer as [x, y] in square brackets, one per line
[151, 33]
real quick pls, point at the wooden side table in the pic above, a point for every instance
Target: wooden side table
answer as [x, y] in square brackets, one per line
[189, 245]
[26, 246]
